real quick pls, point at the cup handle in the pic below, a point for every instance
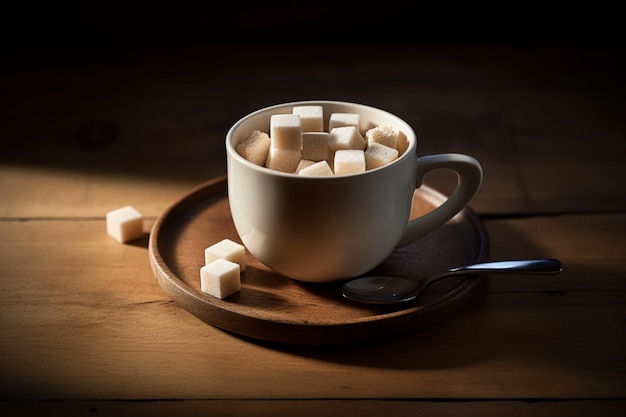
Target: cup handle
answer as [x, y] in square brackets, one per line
[470, 175]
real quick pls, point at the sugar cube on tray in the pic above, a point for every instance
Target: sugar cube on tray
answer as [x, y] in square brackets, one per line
[221, 274]
[226, 249]
[220, 278]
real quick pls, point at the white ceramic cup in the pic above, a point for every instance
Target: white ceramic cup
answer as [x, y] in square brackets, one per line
[323, 229]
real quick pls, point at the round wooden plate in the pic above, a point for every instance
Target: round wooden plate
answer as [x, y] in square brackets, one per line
[273, 308]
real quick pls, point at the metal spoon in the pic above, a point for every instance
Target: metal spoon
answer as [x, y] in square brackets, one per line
[389, 290]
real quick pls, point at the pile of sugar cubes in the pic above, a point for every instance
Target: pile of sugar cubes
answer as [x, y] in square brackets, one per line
[223, 263]
[297, 143]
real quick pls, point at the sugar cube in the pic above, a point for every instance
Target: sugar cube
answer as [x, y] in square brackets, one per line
[303, 164]
[255, 147]
[384, 135]
[311, 117]
[377, 155]
[349, 161]
[125, 224]
[315, 146]
[286, 131]
[285, 160]
[226, 249]
[318, 169]
[346, 137]
[220, 278]
[344, 119]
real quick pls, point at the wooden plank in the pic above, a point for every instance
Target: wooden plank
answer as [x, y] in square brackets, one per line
[143, 128]
[83, 318]
[289, 408]
[43, 192]
[38, 192]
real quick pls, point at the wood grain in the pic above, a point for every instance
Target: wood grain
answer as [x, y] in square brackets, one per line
[88, 320]
[289, 408]
[85, 328]
[529, 119]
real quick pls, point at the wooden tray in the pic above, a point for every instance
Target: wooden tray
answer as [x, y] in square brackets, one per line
[273, 308]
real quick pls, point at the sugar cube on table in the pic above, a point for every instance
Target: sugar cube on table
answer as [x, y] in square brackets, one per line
[125, 224]
[286, 131]
[226, 249]
[311, 118]
[344, 119]
[220, 278]
[255, 147]
[385, 135]
[318, 169]
[315, 146]
[349, 161]
[285, 160]
[345, 137]
[377, 155]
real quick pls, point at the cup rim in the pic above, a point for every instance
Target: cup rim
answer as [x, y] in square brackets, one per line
[230, 148]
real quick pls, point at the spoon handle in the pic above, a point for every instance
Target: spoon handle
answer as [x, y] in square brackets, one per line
[534, 266]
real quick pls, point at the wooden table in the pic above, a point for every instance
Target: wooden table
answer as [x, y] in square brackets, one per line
[86, 330]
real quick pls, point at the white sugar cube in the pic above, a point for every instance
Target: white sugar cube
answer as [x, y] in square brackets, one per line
[255, 147]
[226, 249]
[385, 135]
[346, 137]
[285, 160]
[344, 119]
[125, 224]
[311, 117]
[315, 146]
[220, 278]
[403, 143]
[318, 169]
[303, 164]
[377, 155]
[349, 161]
[286, 131]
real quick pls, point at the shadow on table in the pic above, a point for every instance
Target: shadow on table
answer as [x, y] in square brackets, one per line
[498, 321]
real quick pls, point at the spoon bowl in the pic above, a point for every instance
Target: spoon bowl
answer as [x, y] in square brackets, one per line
[390, 290]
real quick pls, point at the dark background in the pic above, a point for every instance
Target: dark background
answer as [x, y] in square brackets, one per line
[33, 26]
